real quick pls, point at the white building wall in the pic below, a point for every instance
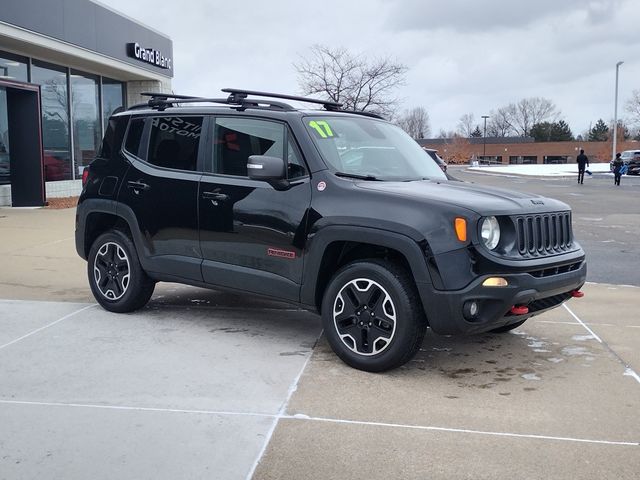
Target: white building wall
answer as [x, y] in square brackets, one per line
[135, 88]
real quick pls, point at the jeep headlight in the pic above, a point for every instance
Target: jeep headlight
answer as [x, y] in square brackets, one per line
[490, 232]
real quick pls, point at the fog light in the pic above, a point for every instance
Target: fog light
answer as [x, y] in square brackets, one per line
[470, 309]
[495, 282]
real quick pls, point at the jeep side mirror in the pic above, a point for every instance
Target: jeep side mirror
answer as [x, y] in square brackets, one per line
[263, 167]
[272, 170]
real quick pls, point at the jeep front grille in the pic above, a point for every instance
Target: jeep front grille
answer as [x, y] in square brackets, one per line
[544, 234]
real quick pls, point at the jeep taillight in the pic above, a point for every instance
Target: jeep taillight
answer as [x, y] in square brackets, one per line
[85, 176]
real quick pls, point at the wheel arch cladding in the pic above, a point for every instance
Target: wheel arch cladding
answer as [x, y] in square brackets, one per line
[334, 247]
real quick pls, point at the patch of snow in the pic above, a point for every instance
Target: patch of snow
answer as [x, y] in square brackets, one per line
[582, 338]
[560, 170]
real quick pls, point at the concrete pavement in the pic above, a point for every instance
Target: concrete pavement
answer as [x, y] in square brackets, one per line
[546, 401]
[205, 384]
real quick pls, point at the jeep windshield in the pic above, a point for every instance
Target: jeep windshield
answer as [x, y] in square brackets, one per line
[370, 149]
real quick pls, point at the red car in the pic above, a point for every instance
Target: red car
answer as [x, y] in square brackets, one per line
[56, 168]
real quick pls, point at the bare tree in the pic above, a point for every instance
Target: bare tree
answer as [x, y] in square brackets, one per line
[529, 111]
[355, 81]
[466, 125]
[415, 122]
[633, 106]
[446, 134]
[499, 124]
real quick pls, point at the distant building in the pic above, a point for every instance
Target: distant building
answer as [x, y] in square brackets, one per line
[520, 150]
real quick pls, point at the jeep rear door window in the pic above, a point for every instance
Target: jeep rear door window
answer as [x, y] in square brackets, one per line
[173, 142]
[370, 147]
[235, 139]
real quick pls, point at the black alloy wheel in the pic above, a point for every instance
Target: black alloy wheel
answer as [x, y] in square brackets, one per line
[117, 280]
[373, 316]
[364, 316]
[111, 271]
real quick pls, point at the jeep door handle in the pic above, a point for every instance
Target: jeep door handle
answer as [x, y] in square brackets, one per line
[137, 187]
[218, 197]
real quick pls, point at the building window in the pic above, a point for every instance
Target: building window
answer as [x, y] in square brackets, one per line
[112, 97]
[555, 159]
[85, 114]
[5, 171]
[55, 120]
[523, 159]
[13, 67]
[490, 160]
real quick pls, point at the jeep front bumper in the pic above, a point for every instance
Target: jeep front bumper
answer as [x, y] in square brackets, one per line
[446, 310]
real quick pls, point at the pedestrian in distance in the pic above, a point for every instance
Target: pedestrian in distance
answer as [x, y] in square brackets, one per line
[583, 163]
[617, 169]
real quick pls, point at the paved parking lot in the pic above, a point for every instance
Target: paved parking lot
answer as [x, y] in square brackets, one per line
[202, 384]
[175, 391]
[184, 389]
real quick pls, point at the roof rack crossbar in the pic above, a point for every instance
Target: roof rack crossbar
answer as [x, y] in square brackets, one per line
[166, 96]
[238, 99]
[238, 94]
[364, 114]
[161, 101]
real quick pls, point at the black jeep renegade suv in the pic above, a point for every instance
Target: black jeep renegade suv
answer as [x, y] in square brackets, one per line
[336, 211]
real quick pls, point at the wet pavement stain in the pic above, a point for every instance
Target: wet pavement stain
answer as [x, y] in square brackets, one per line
[297, 352]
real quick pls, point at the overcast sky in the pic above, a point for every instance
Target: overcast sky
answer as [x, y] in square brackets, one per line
[463, 56]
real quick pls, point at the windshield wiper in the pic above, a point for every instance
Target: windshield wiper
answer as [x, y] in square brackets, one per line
[358, 177]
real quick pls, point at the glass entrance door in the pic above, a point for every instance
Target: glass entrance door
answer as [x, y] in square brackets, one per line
[5, 166]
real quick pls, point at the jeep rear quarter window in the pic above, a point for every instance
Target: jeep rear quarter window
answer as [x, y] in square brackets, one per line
[134, 135]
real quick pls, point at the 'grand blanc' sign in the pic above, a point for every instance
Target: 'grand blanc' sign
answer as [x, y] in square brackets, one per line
[148, 55]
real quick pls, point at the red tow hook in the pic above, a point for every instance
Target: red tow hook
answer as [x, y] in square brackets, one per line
[577, 294]
[519, 310]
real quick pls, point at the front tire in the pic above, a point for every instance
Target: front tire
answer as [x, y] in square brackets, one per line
[117, 280]
[372, 315]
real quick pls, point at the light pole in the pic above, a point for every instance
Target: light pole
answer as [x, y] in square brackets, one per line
[615, 114]
[484, 138]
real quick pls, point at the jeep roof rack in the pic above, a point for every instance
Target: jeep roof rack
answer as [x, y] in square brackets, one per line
[238, 98]
[236, 94]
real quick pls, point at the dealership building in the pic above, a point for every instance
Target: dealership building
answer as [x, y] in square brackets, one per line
[65, 66]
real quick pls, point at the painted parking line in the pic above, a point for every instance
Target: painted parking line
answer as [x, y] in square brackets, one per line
[628, 372]
[593, 324]
[582, 323]
[47, 326]
[281, 413]
[462, 430]
[301, 417]
[222, 413]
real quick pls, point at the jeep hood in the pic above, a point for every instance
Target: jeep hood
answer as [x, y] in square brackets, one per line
[480, 199]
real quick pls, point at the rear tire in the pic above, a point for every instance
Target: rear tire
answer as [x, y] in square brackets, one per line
[117, 280]
[372, 315]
